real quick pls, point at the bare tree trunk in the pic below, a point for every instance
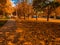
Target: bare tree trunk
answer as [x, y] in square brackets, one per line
[28, 16]
[54, 16]
[49, 10]
[48, 17]
[24, 16]
[36, 17]
[16, 13]
[3, 14]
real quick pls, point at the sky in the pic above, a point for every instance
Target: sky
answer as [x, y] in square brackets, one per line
[15, 2]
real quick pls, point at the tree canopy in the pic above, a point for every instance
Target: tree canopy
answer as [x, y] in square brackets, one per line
[6, 6]
[24, 9]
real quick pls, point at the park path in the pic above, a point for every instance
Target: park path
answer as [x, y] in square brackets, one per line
[10, 25]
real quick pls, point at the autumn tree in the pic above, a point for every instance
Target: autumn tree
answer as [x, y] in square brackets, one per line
[0, 9]
[2, 5]
[52, 7]
[55, 5]
[6, 7]
[24, 9]
[2, 2]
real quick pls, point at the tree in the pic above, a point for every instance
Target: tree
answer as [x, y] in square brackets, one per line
[2, 4]
[6, 7]
[24, 9]
[51, 5]
[0, 9]
[55, 6]
[38, 4]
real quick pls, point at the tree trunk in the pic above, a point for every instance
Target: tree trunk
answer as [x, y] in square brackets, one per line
[49, 10]
[24, 16]
[48, 17]
[54, 16]
[16, 13]
[36, 17]
[28, 16]
[3, 14]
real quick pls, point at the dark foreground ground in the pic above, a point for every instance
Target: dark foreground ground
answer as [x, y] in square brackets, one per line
[29, 33]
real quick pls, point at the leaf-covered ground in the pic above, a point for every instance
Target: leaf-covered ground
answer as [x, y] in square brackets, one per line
[29, 33]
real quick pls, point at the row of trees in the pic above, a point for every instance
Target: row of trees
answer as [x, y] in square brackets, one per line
[42, 4]
[21, 9]
[24, 9]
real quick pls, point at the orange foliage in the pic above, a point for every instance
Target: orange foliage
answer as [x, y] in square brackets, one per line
[24, 8]
[58, 10]
[8, 7]
[57, 0]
